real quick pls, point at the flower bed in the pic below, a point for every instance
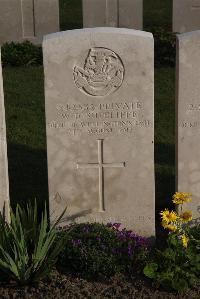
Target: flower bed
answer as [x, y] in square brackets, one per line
[92, 259]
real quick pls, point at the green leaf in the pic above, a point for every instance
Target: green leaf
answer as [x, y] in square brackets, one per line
[150, 270]
[180, 284]
[27, 246]
[169, 254]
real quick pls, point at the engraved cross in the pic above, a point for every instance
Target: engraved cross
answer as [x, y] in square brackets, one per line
[101, 165]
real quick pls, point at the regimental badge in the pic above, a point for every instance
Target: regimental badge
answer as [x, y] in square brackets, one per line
[103, 73]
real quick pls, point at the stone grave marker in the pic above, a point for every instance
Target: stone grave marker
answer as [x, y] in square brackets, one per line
[188, 118]
[28, 20]
[186, 15]
[113, 13]
[4, 183]
[100, 126]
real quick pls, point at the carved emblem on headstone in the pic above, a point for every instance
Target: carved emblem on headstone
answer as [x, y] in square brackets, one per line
[102, 74]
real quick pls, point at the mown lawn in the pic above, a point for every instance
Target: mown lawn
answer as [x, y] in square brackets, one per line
[25, 115]
[25, 119]
[157, 13]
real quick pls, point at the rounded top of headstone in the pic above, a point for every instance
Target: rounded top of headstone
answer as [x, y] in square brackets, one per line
[103, 30]
[189, 35]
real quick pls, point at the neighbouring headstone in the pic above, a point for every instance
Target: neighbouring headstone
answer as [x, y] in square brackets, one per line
[100, 126]
[186, 15]
[4, 183]
[28, 19]
[188, 118]
[113, 13]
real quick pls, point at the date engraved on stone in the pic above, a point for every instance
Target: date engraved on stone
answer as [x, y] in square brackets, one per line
[194, 107]
[123, 118]
[189, 124]
[195, 7]
[102, 74]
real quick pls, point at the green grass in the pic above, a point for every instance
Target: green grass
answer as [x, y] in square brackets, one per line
[25, 106]
[157, 13]
[25, 119]
[164, 135]
[25, 115]
[70, 14]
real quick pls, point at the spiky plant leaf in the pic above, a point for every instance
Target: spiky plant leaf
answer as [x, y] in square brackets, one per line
[27, 248]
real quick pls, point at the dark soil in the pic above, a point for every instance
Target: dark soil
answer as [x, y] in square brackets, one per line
[66, 286]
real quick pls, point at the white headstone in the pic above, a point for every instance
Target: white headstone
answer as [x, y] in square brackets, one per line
[4, 183]
[28, 19]
[188, 118]
[113, 13]
[100, 126]
[186, 15]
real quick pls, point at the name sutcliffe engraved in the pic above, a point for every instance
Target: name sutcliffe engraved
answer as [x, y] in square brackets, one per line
[102, 74]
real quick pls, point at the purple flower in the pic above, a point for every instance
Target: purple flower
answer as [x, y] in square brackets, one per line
[76, 242]
[130, 250]
[99, 239]
[121, 236]
[114, 250]
[86, 229]
[141, 241]
[115, 225]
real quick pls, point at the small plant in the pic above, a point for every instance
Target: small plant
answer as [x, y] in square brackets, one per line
[21, 54]
[177, 266]
[27, 247]
[102, 250]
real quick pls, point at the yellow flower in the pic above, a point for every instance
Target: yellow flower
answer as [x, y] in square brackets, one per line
[186, 216]
[170, 227]
[185, 240]
[168, 216]
[180, 198]
[164, 224]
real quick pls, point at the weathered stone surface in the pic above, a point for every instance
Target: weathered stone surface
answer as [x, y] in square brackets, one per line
[46, 17]
[28, 19]
[186, 15]
[188, 118]
[100, 126]
[10, 21]
[131, 14]
[113, 13]
[4, 183]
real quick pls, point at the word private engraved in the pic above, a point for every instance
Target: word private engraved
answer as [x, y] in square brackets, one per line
[102, 74]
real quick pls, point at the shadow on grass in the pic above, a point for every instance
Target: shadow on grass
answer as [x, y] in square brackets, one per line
[165, 154]
[164, 175]
[27, 175]
[164, 183]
